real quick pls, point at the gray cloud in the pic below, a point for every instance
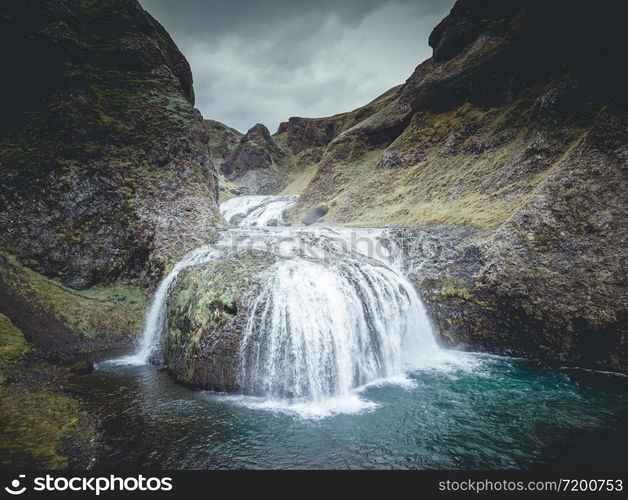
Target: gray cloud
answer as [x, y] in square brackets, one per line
[266, 60]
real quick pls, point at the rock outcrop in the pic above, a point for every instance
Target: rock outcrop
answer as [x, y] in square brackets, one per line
[207, 312]
[222, 140]
[256, 162]
[306, 140]
[105, 169]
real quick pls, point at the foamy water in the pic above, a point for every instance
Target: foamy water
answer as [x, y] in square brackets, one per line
[334, 315]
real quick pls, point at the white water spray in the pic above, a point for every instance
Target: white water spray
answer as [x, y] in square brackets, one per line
[319, 330]
[257, 211]
[335, 311]
[155, 318]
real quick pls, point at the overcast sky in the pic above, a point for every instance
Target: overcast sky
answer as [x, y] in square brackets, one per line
[267, 60]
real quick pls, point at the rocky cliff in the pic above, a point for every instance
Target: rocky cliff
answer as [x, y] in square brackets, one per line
[222, 140]
[105, 179]
[286, 161]
[106, 173]
[256, 163]
[514, 137]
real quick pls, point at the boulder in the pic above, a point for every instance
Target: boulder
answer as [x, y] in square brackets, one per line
[206, 314]
[236, 219]
[315, 213]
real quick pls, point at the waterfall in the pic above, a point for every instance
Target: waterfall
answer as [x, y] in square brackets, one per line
[334, 313]
[319, 330]
[151, 335]
[256, 211]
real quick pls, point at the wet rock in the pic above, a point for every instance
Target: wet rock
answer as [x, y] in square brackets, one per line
[236, 219]
[207, 311]
[315, 213]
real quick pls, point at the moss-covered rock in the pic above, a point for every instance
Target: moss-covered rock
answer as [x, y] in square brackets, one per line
[207, 310]
[38, 428]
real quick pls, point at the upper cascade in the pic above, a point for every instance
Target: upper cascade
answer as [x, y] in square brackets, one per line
[257, 211]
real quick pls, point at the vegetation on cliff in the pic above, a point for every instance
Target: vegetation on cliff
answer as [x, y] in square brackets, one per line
[114, 310]
[104, 160]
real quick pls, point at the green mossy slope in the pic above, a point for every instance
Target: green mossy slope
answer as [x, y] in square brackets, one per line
[38, 424]
[115, 310]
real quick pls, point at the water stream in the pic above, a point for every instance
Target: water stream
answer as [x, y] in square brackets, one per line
[340, 369]
[335, 311]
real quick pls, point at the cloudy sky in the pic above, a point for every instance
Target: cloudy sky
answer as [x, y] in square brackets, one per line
[266, 60]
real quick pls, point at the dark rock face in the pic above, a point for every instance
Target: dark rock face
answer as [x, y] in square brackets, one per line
[105, 169]
[487, 51]
[467, 21]
[255, 161]
[304, 133]
[207, 312]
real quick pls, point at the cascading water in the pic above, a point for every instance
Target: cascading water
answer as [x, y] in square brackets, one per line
[256, 211]
[335, 311]
[321, 329]
[154, 322]
[266, 208]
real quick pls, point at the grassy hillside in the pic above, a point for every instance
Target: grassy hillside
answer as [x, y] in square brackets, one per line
[469, 165]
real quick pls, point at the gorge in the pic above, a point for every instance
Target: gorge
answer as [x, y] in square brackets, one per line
[433, 280]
